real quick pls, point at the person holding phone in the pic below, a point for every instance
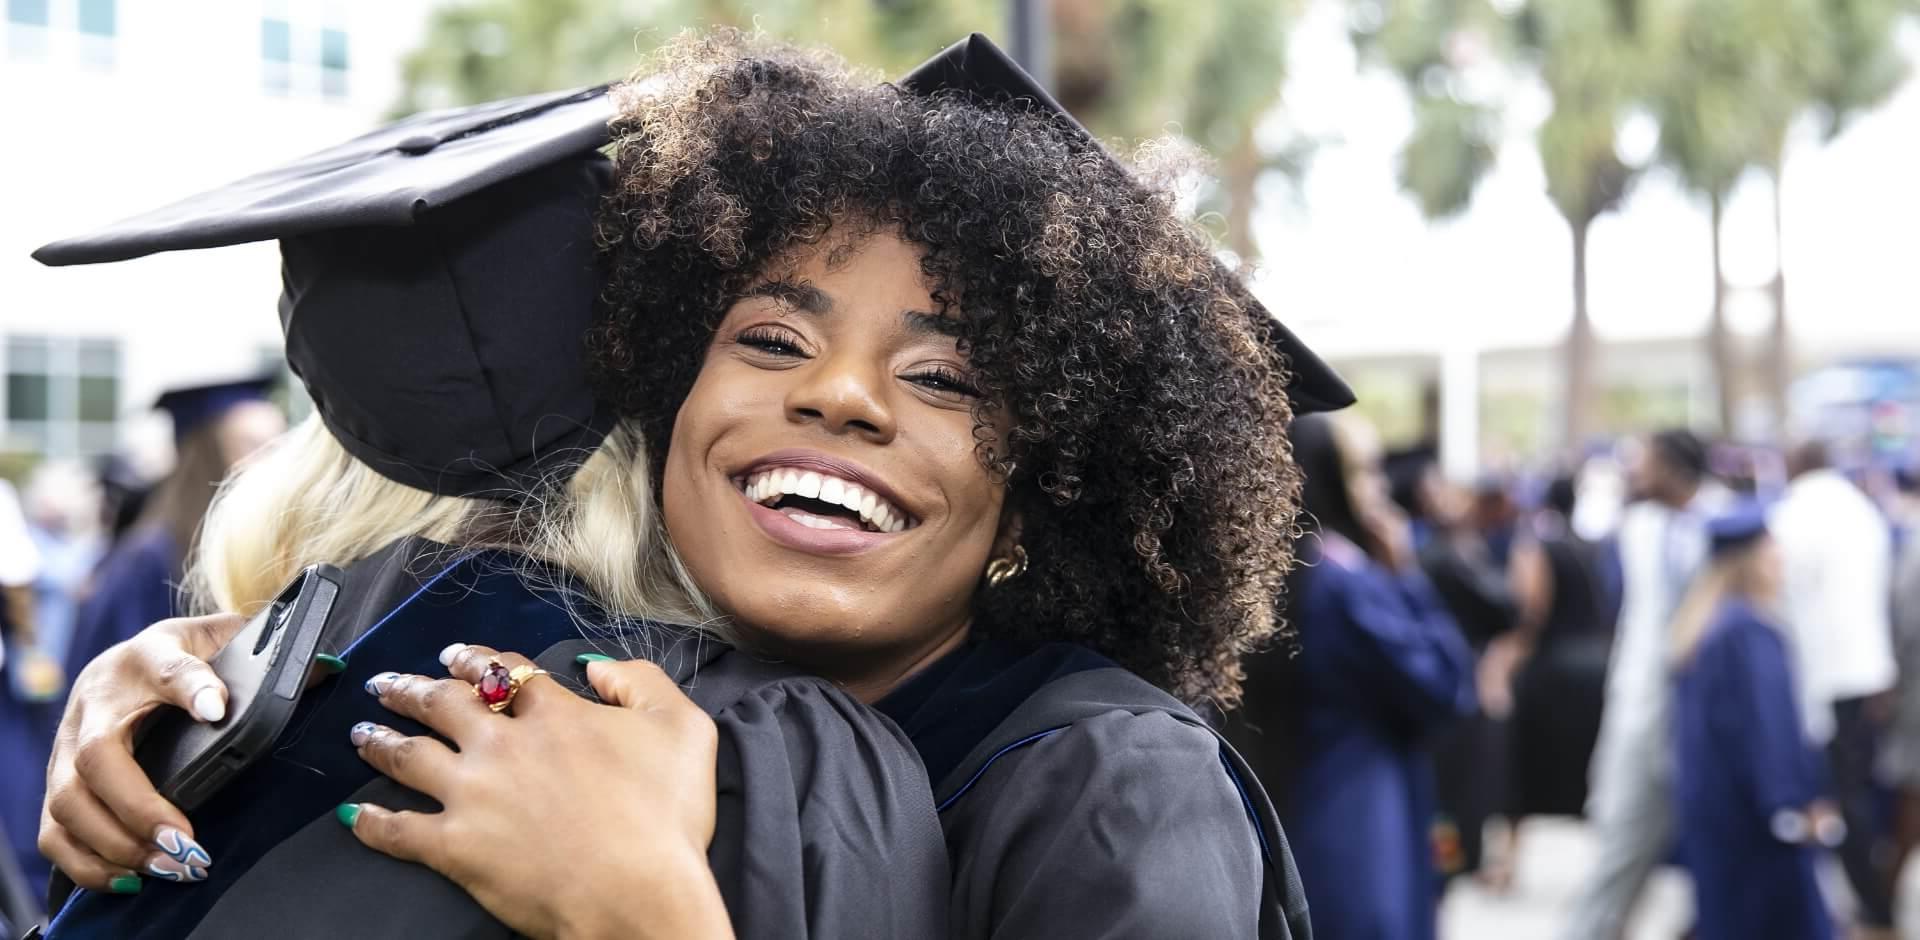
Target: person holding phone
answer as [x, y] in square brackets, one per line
[1343, 731]
[481, 503]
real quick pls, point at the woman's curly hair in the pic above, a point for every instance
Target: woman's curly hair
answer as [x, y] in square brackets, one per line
[1147, 449]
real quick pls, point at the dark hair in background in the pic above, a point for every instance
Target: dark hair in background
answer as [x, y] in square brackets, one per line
[1562, 493]
[179, 502]
[1683, 451]
[1326, 500]
[1407, 472]
[1147, 452]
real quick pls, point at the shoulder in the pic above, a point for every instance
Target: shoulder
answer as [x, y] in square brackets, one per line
[1108, 745]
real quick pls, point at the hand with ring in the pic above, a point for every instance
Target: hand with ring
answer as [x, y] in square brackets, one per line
[562, 817]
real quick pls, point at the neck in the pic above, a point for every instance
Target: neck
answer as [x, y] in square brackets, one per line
[874, 684]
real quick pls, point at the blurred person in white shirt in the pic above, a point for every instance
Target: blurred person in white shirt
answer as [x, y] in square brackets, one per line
[1838, 551]
[1662, 544]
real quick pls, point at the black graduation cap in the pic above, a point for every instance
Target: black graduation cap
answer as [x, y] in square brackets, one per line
[194, 407]
[976, 66]
[439, 275]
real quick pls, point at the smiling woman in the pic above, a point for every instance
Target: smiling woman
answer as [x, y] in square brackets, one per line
[961, 415]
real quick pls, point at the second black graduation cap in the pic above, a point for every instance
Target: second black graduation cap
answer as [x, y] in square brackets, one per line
[976, 66]
[439, 276]
[196, 406]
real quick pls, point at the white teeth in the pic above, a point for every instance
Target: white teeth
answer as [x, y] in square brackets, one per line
[767, 488]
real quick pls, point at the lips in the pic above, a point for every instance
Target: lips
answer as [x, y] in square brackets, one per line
[821, 504]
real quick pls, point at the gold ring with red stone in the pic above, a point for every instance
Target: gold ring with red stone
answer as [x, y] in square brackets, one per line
[498, 684]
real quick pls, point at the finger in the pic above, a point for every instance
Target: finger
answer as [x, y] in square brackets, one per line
[406, 835]
[448, 706]
[417, 762]
[83, 867]
[89, 823]
[179, 669]
[470, 662]
[107, 770]
[633, 683]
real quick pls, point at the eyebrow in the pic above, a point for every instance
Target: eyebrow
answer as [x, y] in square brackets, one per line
[807, 298]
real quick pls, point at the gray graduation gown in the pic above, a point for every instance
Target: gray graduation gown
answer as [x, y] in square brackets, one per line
[1079, 801]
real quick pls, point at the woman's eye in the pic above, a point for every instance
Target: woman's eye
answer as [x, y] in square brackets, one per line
[945, 381]
[769, 341]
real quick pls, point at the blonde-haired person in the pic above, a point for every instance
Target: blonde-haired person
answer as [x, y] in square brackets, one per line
[1747, 790]
[479, 499]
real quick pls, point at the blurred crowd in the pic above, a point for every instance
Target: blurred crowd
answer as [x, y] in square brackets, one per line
[1711, 652]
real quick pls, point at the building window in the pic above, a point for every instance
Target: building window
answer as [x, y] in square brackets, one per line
[276, 41]
[63, 395]
[300, 59]
[97, 17]
[28, 12]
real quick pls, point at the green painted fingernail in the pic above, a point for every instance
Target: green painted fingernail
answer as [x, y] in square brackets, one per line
[348, 814]
[585, 658]
[331, 663]
[124, 884]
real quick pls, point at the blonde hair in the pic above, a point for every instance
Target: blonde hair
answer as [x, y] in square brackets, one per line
[305, 500]
[1734, 574]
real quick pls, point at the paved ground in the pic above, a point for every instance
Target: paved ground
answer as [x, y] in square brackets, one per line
[1553, 855]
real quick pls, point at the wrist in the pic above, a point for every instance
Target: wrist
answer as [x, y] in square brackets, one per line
[667, 894]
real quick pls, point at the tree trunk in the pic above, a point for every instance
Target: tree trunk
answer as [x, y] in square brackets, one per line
[1579, 351]
[1779, 344]
[1719, 340]
[1241, 177]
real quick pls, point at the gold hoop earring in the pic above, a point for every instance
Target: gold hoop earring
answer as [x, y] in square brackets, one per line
[1002, 570]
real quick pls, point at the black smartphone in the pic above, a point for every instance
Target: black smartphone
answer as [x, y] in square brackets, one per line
[265, 668]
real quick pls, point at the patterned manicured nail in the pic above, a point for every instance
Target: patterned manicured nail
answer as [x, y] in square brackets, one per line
[585, 658]
[124, 884]
[347, 813]
[452, 650]
[330, 663]
[363, 732]
[380, 683]
[182, 849]
[168, 869]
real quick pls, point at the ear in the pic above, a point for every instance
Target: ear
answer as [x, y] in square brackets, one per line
[1012, 524]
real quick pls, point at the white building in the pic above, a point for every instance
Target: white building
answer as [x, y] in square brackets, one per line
[114, 107]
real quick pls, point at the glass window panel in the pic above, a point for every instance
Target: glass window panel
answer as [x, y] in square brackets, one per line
[97, 17]
[333, 49]
[28, 397]
[28, 354]
[99, 398]
[27, 12]
[99, 357]
[276, 40]
[333, 83]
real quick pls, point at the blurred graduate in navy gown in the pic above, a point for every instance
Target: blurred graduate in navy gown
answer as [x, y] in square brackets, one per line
[1748, 782]
[214, 427]
[1343, 729]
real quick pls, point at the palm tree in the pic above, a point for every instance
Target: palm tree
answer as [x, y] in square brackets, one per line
[1589, 56]
[1734, 78]
[1858, 68]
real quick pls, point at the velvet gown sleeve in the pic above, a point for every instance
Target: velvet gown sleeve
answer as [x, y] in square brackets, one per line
[1754, 713]
[133, 587]
[1118, 826]
[1400, 649]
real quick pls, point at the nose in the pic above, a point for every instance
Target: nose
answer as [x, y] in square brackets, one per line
[844, 394]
